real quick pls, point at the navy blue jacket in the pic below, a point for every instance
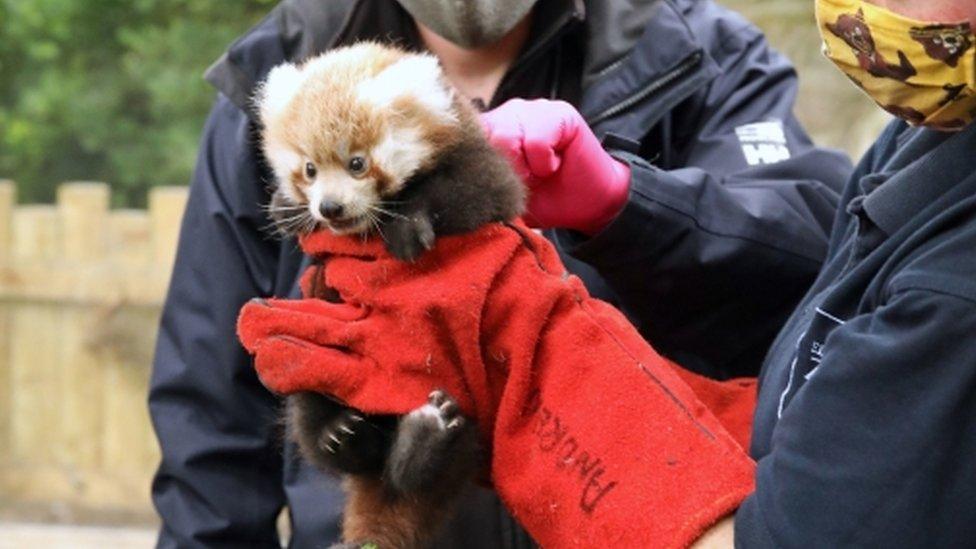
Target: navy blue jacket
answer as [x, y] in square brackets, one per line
[865, 432]
[725, 228]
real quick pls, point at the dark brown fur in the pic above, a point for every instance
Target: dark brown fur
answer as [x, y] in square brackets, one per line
[468, 186]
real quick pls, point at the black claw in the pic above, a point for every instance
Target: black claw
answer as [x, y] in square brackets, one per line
[326, 444]
[337, 438]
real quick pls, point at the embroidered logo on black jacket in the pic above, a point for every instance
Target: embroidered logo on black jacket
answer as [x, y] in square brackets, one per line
[809, 352]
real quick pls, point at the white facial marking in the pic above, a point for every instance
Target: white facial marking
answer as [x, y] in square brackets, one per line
[401, 152]
[415, 76]
[279, 89]
[282, 158]
[337, 186]
[283, 161]
[315, 193]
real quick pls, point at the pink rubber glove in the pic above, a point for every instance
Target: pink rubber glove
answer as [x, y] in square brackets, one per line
[573, 183]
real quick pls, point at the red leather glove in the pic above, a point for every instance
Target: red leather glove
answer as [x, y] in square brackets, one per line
[732, 402]
[573, 183]
[596, 441]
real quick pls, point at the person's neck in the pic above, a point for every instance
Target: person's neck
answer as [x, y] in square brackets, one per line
[476, 73]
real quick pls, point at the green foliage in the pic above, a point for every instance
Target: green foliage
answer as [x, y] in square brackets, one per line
[109, 90]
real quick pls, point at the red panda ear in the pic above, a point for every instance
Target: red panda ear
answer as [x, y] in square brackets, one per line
[279, 89]
[415, 76]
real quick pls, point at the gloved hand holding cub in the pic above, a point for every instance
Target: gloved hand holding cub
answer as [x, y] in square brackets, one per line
[555, 379]
[573, 183]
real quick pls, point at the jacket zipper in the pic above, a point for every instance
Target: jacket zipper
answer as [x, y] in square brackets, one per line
[685, 66]
[610, 68]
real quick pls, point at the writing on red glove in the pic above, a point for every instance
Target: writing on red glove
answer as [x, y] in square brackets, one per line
[573, 182]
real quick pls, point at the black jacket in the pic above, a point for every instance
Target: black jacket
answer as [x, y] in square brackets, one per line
[725, 228]
[865, 429]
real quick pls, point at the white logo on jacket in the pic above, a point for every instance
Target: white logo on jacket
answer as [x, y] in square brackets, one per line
[763, 142]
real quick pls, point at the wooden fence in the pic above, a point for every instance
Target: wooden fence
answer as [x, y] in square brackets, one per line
[80, 292]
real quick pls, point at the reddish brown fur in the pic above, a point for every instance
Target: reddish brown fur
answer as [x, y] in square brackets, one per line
[384, 183]
[437, 133]
[299, 183]
[389, 522]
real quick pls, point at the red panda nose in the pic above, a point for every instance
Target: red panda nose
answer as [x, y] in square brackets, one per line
[330, 210]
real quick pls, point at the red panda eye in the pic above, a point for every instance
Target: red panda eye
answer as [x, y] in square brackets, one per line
[357, 165]
[310, 170]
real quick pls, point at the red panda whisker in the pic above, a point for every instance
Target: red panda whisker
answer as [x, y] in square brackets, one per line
[386, 212]
[308, 225]
[298, 216]
[271, 207]
[374, 223]
[284, 225]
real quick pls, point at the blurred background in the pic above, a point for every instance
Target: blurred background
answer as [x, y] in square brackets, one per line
[108, 90]
[101, 106]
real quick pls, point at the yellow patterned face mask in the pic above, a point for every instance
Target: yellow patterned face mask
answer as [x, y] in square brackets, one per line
[922, 72]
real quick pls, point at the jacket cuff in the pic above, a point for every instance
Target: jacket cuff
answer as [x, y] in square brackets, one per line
[614, 242]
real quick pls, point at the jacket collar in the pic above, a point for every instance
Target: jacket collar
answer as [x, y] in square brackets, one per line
[298, 29]
[924, 168]
[636, 51]
[551, 19]
[280, 36]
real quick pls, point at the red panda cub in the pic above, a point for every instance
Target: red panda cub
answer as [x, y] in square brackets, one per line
[372, 140]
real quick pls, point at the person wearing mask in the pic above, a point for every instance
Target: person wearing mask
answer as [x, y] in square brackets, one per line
[865, 423]
[705, 226]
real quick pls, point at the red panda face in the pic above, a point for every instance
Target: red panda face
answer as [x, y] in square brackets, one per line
[345, 131]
